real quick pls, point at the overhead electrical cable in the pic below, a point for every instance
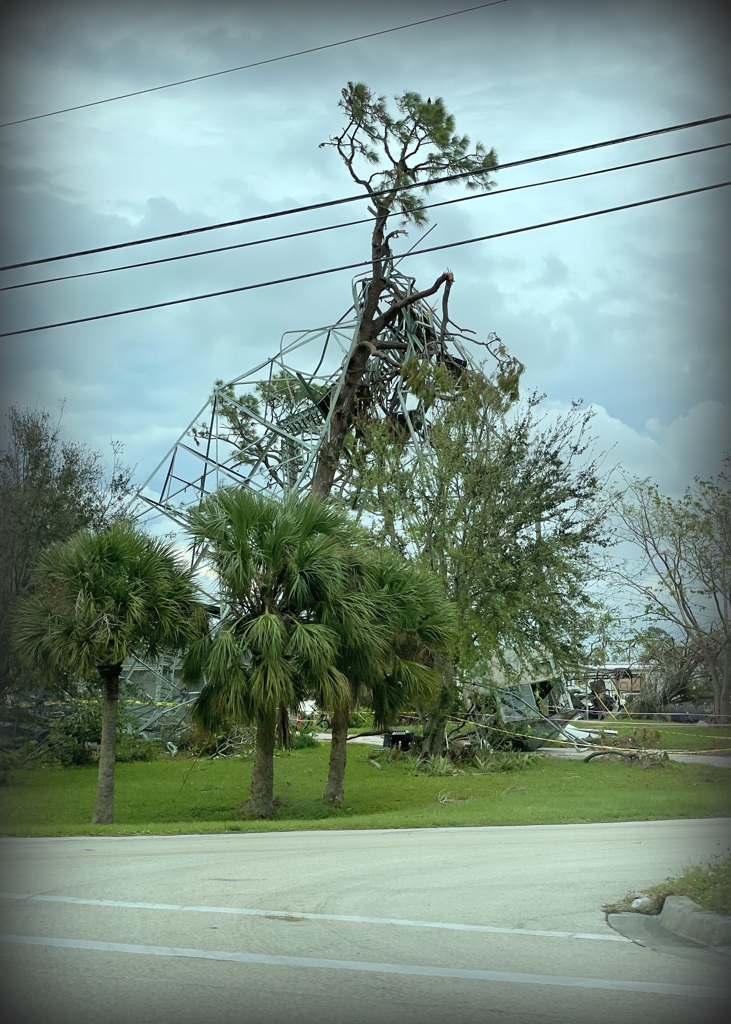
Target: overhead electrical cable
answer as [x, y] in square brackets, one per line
[254, 64]
[365, 263]
[368, 196]
[363, 220]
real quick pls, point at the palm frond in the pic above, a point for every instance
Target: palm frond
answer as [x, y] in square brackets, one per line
[312, 645]
[271, 685]
[331, 690]
[265, 636]
[100, 597]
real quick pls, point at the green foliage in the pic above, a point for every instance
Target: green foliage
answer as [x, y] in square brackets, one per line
[11, 758]
[438, 765]
[136, 748]
[303, 739]
[240, 412]
[74, 739]
[508, 510]
[281, 571]
[360, 719]
[707, 884]
[418, 627]
[672, 669]
[313, 614]
[101, 597]
[49, 489]
[502, 761]
[417, 144]
[683, 577]
[230, 740]
[70, 736]
[96, 600]
[638, 738]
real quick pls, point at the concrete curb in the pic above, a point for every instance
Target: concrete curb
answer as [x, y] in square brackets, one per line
[683, 917]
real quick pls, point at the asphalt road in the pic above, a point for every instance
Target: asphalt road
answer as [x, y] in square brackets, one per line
[474, 925]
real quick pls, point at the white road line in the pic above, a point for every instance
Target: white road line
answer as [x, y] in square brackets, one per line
[645, 987]
[299, 915]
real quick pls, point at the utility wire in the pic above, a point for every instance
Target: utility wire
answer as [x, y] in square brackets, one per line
[364, 263]
[364, 220]
[369, 195]
[254, 64]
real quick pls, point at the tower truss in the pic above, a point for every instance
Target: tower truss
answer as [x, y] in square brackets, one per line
[263, 430]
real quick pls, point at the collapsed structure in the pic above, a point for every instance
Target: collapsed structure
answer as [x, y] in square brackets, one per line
[265, 429]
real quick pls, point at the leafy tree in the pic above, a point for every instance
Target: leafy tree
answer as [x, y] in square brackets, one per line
[671, 667]
[384, 154]
[394, 158]
[684, 577]
[96, 600]
[49, 489]
[507, 508]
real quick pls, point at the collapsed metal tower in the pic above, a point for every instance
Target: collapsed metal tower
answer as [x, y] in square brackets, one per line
[264, 429]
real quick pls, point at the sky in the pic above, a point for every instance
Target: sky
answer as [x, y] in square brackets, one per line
[625, 311]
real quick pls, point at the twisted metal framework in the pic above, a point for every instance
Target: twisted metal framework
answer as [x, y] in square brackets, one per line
[263, 430]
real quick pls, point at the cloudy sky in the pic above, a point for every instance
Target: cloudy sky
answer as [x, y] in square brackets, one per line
[626, 311]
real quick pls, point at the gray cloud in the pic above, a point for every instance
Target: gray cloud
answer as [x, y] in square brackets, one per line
[627, 311]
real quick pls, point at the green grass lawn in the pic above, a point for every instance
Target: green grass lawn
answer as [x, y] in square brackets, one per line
[183, 796]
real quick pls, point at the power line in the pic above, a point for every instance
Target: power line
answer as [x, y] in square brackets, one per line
[363, 263]
[254, 64]
[364, 220]
[367, 195]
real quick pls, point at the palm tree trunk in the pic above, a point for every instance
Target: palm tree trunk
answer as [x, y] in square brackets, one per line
[261, 796]
[104, 807]
[335, 788]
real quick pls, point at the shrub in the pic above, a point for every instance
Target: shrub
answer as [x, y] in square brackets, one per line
[358, 719]
[10, 758]
[438, 765]
[303, 738]
[638, 739]
[74, 739]
[502, 761]
[232, 740]
[135, 748]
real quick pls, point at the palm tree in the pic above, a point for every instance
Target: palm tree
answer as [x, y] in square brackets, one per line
[98, 599]
[286, 612]
[412, 635]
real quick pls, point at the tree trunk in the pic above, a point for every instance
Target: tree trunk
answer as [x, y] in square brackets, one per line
[721, 679]
[435, 738]
[340, 422]
[723, 697]
[434, 724]
[261, 795]
[335, 788]
[342, 415]
[104, 807]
